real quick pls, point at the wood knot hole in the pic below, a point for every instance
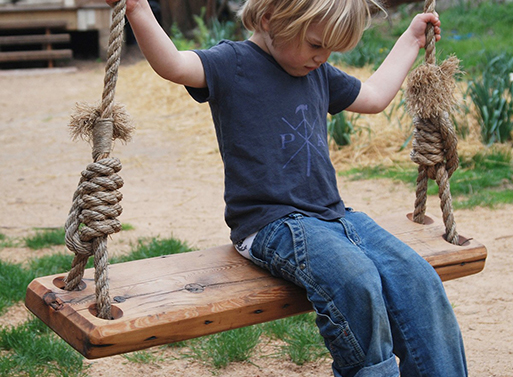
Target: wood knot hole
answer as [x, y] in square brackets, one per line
[194, 288]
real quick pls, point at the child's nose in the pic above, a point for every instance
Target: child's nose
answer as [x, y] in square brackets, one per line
[322, 57]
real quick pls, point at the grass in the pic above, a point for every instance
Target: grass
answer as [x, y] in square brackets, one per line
[13, 282]
[302, 341]
[484, 179]
[470, 31]
[144, 357]
[6, 241]
[218, 350]
[31, 349]
[298, 340]
[45, 238]
[473, 31]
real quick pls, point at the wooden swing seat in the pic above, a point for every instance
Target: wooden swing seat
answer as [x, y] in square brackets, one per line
[177, 297]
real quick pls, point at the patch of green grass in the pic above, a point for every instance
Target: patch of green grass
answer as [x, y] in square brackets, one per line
[152, 247]
[144, 357]
[46, 238]
[3, 239]
[485, 179]
[127, 227]
[13, 283]
[32, 349]
[472, 31]
[218, 350]
[52, 264]
[303, 343]
[6, 241]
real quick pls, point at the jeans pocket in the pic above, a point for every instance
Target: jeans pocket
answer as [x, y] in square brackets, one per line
[273, 249]
[339, 339]
[257, 259]
[261, 251]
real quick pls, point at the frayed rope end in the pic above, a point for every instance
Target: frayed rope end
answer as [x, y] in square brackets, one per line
[86, 116]
[430, 89]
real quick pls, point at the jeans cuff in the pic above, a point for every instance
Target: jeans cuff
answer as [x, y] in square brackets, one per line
[387, 368]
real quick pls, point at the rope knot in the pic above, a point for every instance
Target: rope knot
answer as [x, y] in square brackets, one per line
[435, 144]
[95, 206]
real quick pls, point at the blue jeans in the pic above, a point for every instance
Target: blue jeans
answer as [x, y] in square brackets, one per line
[374, 296]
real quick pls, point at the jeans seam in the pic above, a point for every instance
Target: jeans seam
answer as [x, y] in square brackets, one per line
[304, 276]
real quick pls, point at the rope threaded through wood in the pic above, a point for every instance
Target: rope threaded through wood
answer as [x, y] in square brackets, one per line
[95, 208]
[430, 98]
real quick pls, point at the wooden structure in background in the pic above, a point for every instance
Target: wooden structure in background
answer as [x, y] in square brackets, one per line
[75, 15]
[172, 298]
[41, 34]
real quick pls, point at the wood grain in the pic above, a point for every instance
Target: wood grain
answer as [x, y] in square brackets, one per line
[171, 298]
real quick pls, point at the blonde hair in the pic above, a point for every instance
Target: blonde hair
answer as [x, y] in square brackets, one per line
[345, 20]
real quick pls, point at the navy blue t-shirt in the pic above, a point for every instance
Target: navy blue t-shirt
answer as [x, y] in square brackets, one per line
[272, 135]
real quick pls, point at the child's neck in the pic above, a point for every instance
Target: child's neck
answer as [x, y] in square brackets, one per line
[261, 41]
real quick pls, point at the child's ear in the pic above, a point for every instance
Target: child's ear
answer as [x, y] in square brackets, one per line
[266, 21]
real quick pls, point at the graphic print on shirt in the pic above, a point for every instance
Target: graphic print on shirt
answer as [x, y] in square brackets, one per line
[310, 140]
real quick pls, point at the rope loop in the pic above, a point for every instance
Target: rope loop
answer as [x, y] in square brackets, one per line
[435, 143]
[93, 214]
[95, 206]
[429, 96]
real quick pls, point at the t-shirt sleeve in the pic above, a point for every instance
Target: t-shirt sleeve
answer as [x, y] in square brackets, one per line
[343, 89]
[220, 57]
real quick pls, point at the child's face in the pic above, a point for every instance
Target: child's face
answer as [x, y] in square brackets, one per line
[298, 58]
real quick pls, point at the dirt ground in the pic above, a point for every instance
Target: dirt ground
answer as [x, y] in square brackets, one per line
[174, 187]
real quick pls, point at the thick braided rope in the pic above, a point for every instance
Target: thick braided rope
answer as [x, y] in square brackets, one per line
[435, 150]
[93, 215]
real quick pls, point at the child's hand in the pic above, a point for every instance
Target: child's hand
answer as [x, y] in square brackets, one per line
[130, 4]
[419, 24]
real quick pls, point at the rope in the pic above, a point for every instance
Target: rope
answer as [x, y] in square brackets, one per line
[430, 97]
[93, 214]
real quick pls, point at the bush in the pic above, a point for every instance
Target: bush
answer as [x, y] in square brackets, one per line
[492, 96]
[340, 129]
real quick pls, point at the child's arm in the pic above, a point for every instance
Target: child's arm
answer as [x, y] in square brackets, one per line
[181, 67]
[380, 89]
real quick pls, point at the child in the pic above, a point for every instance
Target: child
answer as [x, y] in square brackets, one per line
[269, 96]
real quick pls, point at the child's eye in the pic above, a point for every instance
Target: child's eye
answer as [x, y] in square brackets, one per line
[316, 46]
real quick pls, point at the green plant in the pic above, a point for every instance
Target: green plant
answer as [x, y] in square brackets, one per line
[476, 29]
[371, 50]
[6, 241]
[51, 264]
[492, 96]
[32, 349]
[144, 357]
[3, 239]
[13, 282]
[340, 129]
[127, 227]
[220, 349]
[152, 247]
[484, 179]
[208, 35]
[179, 40]
[303, 343]
[45, 238]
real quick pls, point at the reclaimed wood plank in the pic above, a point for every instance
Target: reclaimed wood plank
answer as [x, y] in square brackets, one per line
[13, 40]
[16, 56]
[33, 24]
[171, 298]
